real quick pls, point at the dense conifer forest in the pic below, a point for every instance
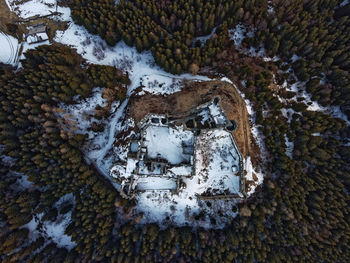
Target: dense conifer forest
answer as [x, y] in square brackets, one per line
[301, 213]
[315, 31]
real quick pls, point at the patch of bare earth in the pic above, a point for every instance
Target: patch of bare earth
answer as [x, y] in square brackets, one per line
[8, 21]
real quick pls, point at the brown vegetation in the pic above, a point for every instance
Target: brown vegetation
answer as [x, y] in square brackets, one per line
[7, 21]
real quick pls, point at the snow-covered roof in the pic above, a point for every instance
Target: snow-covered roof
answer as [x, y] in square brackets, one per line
[38, 37]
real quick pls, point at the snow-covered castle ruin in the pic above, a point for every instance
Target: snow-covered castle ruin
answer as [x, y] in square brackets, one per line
[194, 152]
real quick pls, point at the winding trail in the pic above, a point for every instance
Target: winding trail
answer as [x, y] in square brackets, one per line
[113, 126]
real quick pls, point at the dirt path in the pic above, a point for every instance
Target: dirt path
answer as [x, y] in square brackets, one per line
[246, 130]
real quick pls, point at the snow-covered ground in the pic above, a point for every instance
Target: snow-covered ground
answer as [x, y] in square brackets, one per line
[26, 10]
[143, 72]
[158, 84]
[166, 142]
[248, 168]
[299, 89]
[215, 171]
[217, 163]
[53, 230]
[183, 209]
[31, 8]
[204, 39]
[7, 161]
[78, 117]
[270, 8]
[99, 148]
[156, 183]
[344, 3]
[259, 139]
[141, 66]
[290, 146]
[9, 49]
[238, 34]
[56, 230]
[288, 113]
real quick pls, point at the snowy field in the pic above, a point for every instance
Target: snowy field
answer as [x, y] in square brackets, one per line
[156, 183]
[9, 49]
[166, 143]
[31, 8]
[217, 163]
[53, 230]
